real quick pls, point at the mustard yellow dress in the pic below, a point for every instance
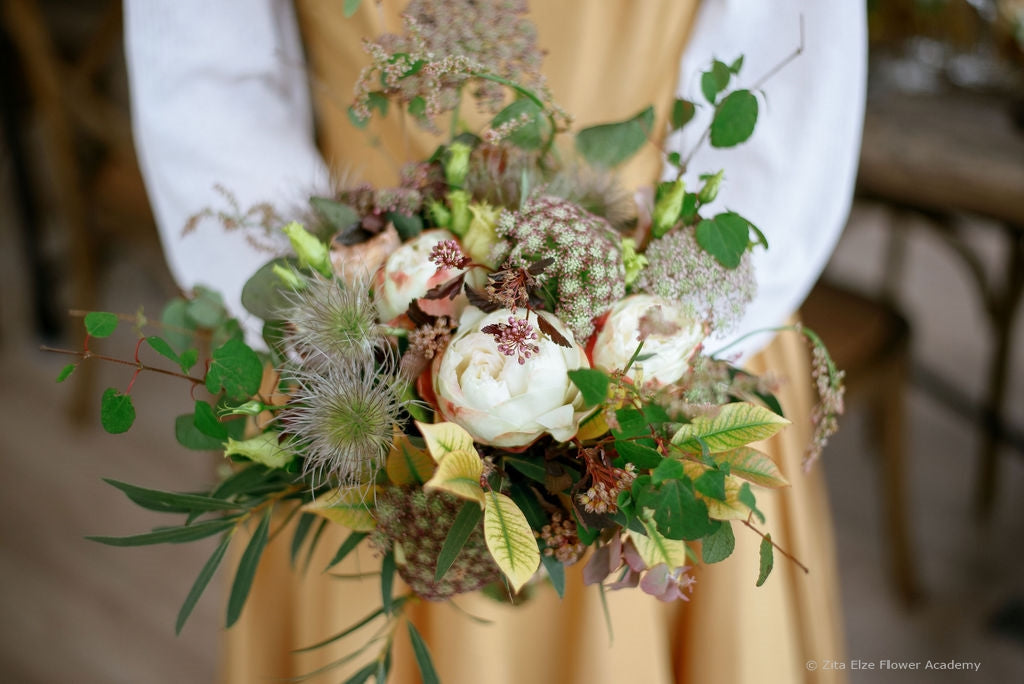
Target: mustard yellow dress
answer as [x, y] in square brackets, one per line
[730, 632]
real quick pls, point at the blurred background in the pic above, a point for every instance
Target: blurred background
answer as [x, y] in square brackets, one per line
[920, 303]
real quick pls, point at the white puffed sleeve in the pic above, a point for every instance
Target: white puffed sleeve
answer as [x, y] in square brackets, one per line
[219, 95]
[794, 178]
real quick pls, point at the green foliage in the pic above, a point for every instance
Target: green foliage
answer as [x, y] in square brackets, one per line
[718, 545]
[355, 119]
[190, 437]
[531, 135]
[423, 661]
[117, 413]
[592, 383]
[387, 582]
[734, 119]
[678, 513]
[347, 547]
[668, 469]
[302, 528]
[746, 497]
[207, 423]
[199, 586]
[339, 216]
[185, 360]
[264, 295]
[236, 368]
[66, 371]
[725, 237]
[171, 535]
[609, 145]
[247, 568]
[735, 425]
[767, 559]
[715, 81]
[528, 467]
[631, 424]
[462, 527]
[206, 309]
[711, 483]
[100, 323]
[682, 113]
[641, 456]
[171, 502]
[350, 7]
[407, 226]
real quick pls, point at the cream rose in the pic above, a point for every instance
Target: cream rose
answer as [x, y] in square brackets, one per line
[501, 401]
[673, 338]
[409, 273]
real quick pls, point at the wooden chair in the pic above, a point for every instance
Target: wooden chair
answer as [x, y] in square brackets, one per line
[870, 340]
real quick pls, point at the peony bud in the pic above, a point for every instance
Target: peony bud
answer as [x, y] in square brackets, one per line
[458, 202]
[308, 248]
[480, 237]
[668, 206]
[456, 166]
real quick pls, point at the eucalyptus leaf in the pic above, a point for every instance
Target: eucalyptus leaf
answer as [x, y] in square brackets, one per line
[767, 559]
[608, 145]
[66, 371]
[206, 309]
[179, 330]
[100, 323]
[718, 545]
[735, 118]
[264, 295]
[341, 217]
[236, 368]
[117, 413]
[247, 569]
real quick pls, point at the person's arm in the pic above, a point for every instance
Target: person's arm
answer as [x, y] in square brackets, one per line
[794, 178]
[219, 95]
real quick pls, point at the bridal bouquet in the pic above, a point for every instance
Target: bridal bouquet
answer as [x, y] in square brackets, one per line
[492, 371]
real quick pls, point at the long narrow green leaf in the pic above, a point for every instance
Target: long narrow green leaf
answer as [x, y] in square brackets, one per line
[170, 535]
[463, 526]
[344, 633]
[422, 653]
[556, 573]
[387, 582]
[301, 530]
[313, 543]
[364, 674]
[241, 482]
[247, 569]
[201, 582]
[171, 502]
[347, 546]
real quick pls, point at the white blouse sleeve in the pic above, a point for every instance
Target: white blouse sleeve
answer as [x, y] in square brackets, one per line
[794, 178]
[219, 96]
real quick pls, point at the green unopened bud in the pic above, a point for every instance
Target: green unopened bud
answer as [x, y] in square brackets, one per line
[458, 202]
[439, 213]
[667, 207]
[709, 192]
[633, 261]
[263, 449]
[456, 166]
[249, 408]
[480, 238]
[311, 252]
[288, 277]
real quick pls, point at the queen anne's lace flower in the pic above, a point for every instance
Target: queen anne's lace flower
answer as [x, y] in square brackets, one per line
[586, 275]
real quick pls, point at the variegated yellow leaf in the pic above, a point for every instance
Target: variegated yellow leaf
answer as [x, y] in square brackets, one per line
[731, 508]
[655, 548]
[459, 473]
[407, 464]
[734, 425]
[444, 438]
[754, 466]
[510, 539]
[348, 506]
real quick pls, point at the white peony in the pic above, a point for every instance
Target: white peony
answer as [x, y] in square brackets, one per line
[673, 337]
[409, 273]
[500, 400]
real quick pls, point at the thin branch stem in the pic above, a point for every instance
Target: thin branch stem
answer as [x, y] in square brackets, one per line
[781, 550]
[782, 65]
[140, 366]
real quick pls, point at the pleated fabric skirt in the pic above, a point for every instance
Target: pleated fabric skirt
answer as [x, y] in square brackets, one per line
[729, 632]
